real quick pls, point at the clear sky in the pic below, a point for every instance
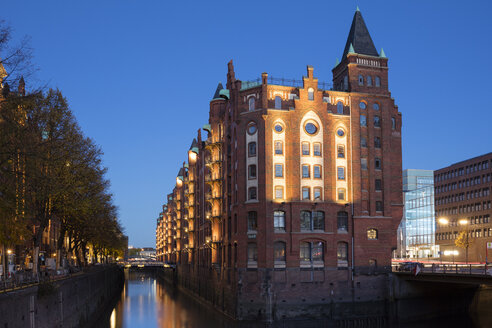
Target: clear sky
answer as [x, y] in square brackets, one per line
[139, 75]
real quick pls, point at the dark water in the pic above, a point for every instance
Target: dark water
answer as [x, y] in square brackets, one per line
[147, 302]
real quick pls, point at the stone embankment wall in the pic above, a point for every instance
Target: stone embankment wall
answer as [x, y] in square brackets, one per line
[67, 303]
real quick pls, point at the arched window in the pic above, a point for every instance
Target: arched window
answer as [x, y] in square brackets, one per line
[279, 148]
[361, 80]
[251, 103]
[363, 120]
[317, 191]
[305, 148]
[252, 221]
[314, 220]
[278, 102]
[372, 234]
[279, 251]
[252, 171]
[393, 123]
[279, 221]
[252, 193]
[316, 149]
[342, 221]
[369, 81]
[310, 94]
[377, 81]
[311, 252]
[252, 149]
[339, 107]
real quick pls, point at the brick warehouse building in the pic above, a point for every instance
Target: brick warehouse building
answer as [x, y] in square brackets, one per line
[463, 206]
[289, 206]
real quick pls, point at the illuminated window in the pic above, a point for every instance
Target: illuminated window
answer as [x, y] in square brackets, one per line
[342, 221]
[279, 251]
[342, 251]
[372, 234]
[279, 170]
[317, 171]
[340, 173]
[279, 192]
[316, 149]
[279, 221]
[279, 148]
[341, 193]
[251, 103]
[278, 102]
[252, 149]
[305, 148]
[305, 171]
[339, 107]
[305, 193]
[310, 94]
[341, 151]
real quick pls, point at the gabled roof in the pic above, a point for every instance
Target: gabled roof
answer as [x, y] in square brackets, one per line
[359, 38]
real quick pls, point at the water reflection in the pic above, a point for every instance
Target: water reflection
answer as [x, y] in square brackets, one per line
[146, 302]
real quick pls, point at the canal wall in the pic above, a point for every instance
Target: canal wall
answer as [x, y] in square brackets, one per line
[71, 302]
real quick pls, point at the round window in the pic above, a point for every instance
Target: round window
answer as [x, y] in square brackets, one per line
[278, 128]
[340, 132]
[252, 128]
[375, 106]
[311, 128]
[362, 105]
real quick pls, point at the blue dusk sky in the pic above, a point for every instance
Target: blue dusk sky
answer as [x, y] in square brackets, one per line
[139, 75]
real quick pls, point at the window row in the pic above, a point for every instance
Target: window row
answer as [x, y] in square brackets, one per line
[377, 163]
[376, 121]
[368, 80]
[377, 142]
[464, 183]
[483, 165]
[306, 148]
[463, 196]
[310, 220]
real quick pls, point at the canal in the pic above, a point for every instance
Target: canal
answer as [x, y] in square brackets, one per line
[146, 301]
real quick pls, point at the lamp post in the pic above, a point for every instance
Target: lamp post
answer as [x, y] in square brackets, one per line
[464, 223]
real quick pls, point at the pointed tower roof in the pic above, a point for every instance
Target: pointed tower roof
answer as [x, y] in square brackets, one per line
[217, 91]
[359, 38]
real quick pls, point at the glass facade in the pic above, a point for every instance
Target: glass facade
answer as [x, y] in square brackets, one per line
[416, 233]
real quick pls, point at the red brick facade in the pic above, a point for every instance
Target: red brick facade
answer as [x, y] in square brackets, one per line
[308, 211]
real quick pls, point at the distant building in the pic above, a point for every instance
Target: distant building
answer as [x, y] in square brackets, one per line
[417, 228]
[463, 207]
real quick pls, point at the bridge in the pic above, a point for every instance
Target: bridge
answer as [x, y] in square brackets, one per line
[144, 264]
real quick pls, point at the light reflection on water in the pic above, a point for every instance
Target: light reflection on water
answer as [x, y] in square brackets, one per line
[146, 302]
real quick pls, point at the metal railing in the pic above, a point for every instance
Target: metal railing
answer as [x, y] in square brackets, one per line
[282, 81]
[24, 279]
[445, 268]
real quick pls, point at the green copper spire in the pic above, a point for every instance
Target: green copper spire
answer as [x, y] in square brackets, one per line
[382, 54]
[351, 49]
[357, 9]
[337, 62]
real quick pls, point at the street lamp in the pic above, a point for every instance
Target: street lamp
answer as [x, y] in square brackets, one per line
[443, 221]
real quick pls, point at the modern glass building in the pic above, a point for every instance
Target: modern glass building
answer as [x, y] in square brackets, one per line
[416, 233]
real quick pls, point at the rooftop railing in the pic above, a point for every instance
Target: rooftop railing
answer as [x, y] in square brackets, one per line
[282, 81]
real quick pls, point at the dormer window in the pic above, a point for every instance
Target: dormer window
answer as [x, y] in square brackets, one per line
[377, 81]
[361, 80]
[310, 94]
[251, 103]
